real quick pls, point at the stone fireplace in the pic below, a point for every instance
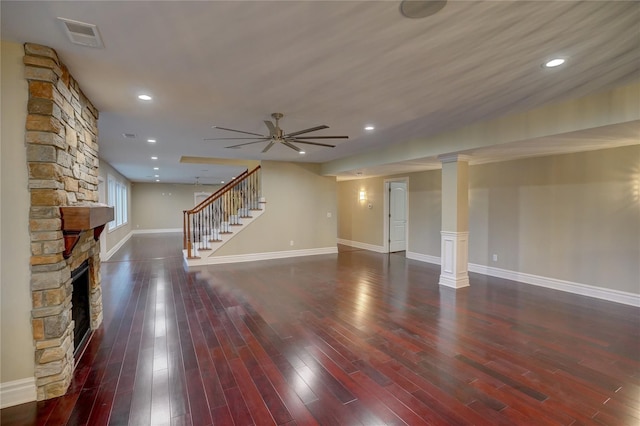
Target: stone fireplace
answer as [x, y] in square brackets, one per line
[62, 161]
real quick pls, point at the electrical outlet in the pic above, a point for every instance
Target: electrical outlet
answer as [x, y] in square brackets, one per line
[328, 214]
[495, 257]
[291, 242]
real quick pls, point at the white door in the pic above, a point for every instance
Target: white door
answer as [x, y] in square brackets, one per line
[397, 216]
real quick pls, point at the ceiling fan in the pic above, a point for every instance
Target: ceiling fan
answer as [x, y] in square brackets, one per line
[277, 135]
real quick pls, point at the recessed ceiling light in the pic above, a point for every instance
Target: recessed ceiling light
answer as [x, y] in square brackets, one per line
[151, 140]
[157, 176]
[554, 63]
[233, 177]
[156, 168]
[369, 128]
[154, 158]
[157, 180]
[302, 152]
[221, 181]
[144, 97]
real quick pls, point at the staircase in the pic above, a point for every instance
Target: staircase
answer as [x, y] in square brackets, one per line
[217, 219]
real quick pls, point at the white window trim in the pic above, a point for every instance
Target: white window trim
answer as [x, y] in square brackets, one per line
[118, 198]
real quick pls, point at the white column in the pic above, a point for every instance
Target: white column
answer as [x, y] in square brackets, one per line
[454, 259]
[455, 221]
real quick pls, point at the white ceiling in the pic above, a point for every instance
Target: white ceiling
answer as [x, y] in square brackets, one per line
[340, 63]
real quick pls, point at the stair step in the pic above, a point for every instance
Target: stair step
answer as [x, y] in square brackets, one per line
[226, 232]
[215, 241]
[235, 224]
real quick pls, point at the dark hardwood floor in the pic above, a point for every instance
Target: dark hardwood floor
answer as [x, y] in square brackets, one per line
[357, 338]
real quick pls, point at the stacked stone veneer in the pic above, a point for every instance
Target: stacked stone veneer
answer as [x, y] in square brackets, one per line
[62, 158]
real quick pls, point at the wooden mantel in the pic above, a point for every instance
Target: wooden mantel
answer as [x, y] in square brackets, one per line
[76, 219]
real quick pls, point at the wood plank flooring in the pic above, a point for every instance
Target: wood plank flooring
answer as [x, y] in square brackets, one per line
[357, 338]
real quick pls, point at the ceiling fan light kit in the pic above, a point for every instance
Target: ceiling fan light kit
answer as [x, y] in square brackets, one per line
[277, 135]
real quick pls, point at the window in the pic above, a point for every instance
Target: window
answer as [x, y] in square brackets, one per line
[118, 198]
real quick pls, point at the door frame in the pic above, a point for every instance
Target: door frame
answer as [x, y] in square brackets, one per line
[386, 200]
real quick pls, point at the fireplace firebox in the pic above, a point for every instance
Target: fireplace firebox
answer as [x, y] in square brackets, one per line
[80, 310]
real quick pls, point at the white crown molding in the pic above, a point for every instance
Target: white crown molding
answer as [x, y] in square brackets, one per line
[18, 392]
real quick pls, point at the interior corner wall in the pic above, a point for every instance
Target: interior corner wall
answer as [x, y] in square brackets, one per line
[573, 217]
[298, 199]
[114, 237]
[159, 206]
[356, 221]
[17, 349]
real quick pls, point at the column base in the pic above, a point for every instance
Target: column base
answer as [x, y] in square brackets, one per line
[454, 263]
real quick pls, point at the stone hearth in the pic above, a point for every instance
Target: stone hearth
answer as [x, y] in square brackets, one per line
[62, 158]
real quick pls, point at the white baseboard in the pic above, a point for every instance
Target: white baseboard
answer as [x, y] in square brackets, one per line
[553, 283]
[423, 257]
[562, 285]
[155, 231]
[18, 392]
[364, 246]
[216, 260]
[115, 248]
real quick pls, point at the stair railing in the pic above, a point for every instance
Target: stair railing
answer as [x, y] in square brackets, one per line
[218, 213]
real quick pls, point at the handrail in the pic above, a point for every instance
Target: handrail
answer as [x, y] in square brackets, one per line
[222, 189]
[213, 216]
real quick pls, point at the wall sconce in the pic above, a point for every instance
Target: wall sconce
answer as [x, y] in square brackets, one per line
[363, 195]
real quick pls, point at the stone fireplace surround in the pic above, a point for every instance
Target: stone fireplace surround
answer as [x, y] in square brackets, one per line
[62, 161]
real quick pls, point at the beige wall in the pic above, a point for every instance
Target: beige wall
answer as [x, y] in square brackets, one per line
[425, 212]
[356, 221]
[113, 237]
[15, 298]
[298, 200]
[160, 205]
[572, 217]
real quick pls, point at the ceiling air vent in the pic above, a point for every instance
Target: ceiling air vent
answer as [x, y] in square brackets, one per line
[82, 33]
[129, 135]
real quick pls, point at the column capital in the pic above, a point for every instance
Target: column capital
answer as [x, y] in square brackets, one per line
[453, 158]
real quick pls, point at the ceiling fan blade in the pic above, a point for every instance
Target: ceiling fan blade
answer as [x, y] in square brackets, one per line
[311, 129]
[292, 146]
[247, 143]
[268, 147]
[322, 137]
[238, 131]
[312, 143]
[229, 139]
[272, 128]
